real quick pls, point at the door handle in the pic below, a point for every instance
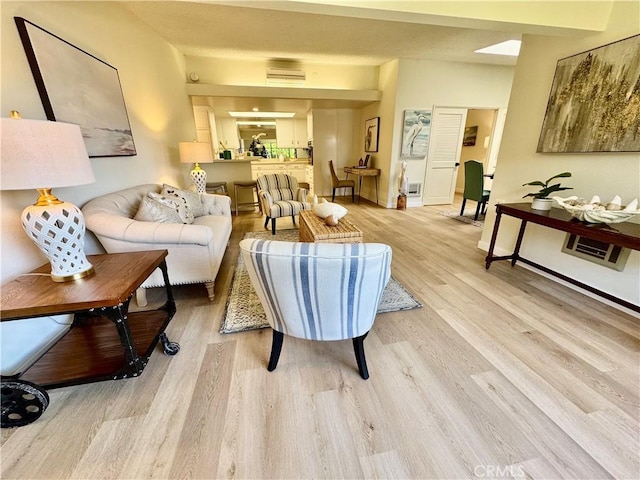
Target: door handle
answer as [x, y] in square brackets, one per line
[457, 164]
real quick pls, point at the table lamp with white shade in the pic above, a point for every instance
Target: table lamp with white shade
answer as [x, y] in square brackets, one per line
[196, 152]
[44, 155]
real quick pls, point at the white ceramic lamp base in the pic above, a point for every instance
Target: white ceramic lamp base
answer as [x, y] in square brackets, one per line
[58, 230]
[199, 179]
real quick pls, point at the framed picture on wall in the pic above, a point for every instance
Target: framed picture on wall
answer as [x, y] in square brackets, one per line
[470, 134]
[415, 133]
[76, 87]
[593, 105]
[371, 133]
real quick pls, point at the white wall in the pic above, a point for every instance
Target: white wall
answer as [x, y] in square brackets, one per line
[253, 73]
[422, 85]
[336, 136]
[152, 75]
[605, 174]
[388, 84]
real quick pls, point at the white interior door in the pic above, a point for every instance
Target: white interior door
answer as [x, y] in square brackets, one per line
[447, 130]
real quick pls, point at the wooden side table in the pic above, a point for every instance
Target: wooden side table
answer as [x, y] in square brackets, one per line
[364, 172]
[313, 229]
[105, 341]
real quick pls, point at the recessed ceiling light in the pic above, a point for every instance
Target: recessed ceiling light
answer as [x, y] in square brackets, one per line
[510, 47]
[255, 109]
[262, 114]
[259, 124]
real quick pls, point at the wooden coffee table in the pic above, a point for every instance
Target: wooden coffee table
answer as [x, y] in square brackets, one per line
[313, 229]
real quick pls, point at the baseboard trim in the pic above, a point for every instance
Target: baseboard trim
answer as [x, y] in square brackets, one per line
[484, 246]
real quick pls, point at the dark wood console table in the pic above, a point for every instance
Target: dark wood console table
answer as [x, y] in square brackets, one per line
[624, 234]
[105, 341]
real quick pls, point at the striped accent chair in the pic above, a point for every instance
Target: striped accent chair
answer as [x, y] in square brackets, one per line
[280, 196]
[318, 291]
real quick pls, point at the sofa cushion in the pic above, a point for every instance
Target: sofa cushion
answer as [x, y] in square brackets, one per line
[186, 215]
[153, 210]
[190, 199]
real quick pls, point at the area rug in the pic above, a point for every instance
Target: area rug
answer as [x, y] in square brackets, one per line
[244, 310]
[466, 218]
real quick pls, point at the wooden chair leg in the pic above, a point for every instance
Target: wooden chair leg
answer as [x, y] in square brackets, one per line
[353, 194]
[464, 201]
[333, 195]
[293, 219]
[266, 221]
[273, 226]
[276, 348]
[358, 348]
[210, 286]
[477, 211]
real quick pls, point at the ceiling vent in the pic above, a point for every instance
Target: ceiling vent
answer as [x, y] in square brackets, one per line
[285, 75]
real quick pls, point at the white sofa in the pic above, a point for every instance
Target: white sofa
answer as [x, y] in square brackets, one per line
[195, 250]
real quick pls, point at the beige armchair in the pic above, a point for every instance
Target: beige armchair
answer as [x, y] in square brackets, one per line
[280, 196]
[195, 250]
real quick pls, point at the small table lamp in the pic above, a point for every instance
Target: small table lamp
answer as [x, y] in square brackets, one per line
[43, 155]
[196, 152]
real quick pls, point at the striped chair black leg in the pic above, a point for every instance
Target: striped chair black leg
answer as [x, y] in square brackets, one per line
[276, 348]
[358, 348]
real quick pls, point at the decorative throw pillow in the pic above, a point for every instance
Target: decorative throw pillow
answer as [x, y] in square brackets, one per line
[153, 211]
[186, 215]
[191, 199]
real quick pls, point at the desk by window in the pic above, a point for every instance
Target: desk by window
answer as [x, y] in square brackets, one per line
[624, 234]
[364, 172]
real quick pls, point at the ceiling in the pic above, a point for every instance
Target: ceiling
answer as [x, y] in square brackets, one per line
[308, 32]
[225, 31]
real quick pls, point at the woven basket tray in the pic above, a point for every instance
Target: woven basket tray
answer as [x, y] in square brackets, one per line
[313, 229]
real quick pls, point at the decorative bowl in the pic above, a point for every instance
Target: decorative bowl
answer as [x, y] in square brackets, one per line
[595, 212]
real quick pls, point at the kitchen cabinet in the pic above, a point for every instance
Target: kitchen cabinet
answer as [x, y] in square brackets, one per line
[227, 130]
[302, 171]
[291, 132]
[205, 124]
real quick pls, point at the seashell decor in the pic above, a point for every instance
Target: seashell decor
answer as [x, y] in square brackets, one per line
[595, 211]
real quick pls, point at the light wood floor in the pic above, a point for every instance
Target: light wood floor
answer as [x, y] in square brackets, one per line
[502, 374]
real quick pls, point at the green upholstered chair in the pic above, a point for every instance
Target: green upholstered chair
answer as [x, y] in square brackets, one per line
[474, 187]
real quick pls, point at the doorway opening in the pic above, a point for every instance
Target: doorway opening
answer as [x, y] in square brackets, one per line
[459, 135]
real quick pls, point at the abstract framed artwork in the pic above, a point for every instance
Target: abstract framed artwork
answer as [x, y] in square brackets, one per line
[415, 133]
[76, 87]
[594, 104]
[371, 134]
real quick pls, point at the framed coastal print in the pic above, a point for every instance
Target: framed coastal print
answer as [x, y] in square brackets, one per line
[76, 87]
[371, 134]
[594, 104]
[415, 133]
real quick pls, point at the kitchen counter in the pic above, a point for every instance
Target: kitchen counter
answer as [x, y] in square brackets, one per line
[275, 161]
[236, 160]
